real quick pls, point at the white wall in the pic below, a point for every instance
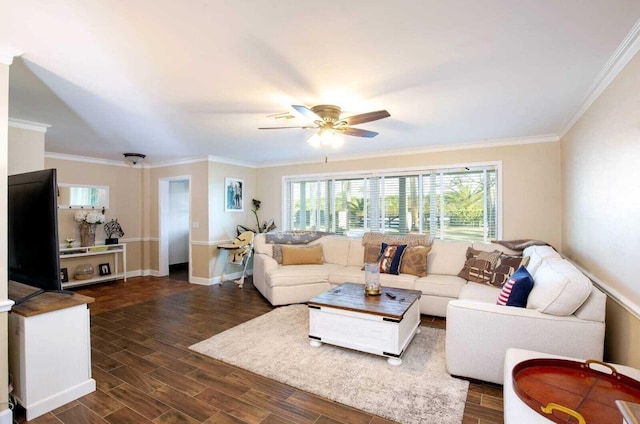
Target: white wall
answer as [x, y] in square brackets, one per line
[601, 204]
[178, 222]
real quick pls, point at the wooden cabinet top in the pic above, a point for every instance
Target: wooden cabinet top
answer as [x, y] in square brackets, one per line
[42, 303]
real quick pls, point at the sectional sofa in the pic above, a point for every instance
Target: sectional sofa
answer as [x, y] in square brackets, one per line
[564, 314]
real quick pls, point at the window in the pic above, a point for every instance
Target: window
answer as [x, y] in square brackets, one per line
[451, 204]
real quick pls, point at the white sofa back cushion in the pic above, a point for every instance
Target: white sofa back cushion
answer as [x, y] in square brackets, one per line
[594, 308]
[559, 288]
[356, 253]
[447, 257]
[537, 254]
[335, 249]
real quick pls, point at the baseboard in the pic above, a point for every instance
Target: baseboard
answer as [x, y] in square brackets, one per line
[204, 281]
[52, 402]
[6, 416]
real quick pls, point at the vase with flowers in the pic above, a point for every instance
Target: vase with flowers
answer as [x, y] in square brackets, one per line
[88, 221]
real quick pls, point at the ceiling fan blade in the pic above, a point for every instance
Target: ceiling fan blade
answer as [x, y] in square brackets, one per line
[307, 113]
[366, 117]
[358, 132]
[281, 128]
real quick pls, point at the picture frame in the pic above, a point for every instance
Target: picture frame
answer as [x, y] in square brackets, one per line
[233, 194]
[105, 269]
[64, 275]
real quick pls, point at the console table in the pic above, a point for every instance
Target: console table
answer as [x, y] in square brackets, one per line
[114, 250]
[49, 349]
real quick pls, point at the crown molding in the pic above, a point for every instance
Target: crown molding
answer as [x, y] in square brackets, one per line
[616, 63]
[86, 159]
[545, 138]
[28, 125]
[218, 159]
[209, 158]
[8, 53]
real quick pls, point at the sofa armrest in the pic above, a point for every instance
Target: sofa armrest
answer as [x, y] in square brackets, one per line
[267, 263]
[479, 334]
[262, 263]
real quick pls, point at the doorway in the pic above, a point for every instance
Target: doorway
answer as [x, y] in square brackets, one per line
[175, 229]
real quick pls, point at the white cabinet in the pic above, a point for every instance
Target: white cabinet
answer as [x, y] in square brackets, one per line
[49, 349]
[116, 253]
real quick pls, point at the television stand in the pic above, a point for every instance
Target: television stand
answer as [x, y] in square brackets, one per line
[17, 302]
[49, 349]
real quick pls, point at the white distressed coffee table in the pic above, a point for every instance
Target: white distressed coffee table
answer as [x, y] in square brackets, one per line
[382, 325]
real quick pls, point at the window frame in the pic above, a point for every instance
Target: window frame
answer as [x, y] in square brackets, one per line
[421, 171]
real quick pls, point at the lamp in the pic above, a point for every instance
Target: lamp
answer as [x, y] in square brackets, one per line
[133, 158]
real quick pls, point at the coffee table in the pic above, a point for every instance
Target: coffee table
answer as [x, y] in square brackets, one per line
[382, 325]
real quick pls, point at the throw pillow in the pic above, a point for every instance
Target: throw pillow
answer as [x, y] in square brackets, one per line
[506, 266]
[390, 258]
[479, 265]
[516, 290]
[277, 253]
[414, 261]
[311, 255]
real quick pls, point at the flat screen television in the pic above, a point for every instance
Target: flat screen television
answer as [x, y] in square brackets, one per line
[33, 246]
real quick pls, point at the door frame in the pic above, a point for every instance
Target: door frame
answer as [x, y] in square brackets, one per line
[163, 223]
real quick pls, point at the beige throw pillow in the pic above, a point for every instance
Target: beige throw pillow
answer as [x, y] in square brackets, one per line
[414, 261]
[311, 255]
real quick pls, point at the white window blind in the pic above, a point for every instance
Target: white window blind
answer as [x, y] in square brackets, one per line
[460, 203]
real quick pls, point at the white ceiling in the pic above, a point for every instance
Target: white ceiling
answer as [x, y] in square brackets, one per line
[184, 79]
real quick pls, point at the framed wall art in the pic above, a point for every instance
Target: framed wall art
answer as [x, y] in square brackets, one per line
[233, 197]
[64, 275]
[105, 269]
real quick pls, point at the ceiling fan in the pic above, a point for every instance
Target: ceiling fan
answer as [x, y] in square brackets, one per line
[326, 118]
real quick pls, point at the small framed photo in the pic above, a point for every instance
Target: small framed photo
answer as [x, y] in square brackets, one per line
[233, 197]
[105, 269]
[64, 275]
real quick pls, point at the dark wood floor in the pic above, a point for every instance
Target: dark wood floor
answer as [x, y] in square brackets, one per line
[145, 373]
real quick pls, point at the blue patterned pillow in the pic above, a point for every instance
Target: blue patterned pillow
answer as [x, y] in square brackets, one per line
[390, 258]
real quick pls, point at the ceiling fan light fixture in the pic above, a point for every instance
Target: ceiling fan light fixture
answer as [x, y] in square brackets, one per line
[133, 159]
[326, 138]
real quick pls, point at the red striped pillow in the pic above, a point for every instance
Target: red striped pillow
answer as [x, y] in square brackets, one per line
[503, 298]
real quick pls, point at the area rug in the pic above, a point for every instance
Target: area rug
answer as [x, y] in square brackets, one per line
[275, 345]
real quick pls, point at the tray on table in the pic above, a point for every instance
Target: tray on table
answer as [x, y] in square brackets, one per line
[567, 391]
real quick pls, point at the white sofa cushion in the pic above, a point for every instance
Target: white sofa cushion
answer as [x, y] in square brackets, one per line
[592, 308]
[356, 253]
[447, 257]
[440, 285]
[295, 275]
[559, 288]
[335, 249]
[479, 292]
[348, 274]
[538, 254]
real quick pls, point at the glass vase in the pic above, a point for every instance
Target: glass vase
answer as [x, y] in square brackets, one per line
[372, 279]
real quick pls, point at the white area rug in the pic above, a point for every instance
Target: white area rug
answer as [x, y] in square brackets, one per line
[276, 345]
